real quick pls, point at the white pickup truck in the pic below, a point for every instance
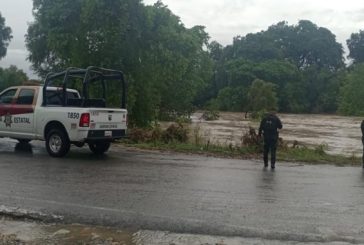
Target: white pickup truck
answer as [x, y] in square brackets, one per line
[63, 116]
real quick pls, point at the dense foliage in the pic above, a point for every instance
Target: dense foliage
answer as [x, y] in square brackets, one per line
[165, 62]
[356, 47]
[172, 69]
[5, 36]
[352, 92]
[262, 96]
[11, 76]
[302, 61]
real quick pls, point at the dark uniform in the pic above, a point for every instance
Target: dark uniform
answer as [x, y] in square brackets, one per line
[362, 139]
[269, 126]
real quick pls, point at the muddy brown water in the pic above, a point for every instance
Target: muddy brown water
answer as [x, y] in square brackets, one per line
[339, 134]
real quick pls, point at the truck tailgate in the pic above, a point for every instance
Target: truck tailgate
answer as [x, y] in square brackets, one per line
[108, 119]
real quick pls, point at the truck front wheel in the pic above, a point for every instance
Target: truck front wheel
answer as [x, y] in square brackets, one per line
[57, 143]
[99, 147]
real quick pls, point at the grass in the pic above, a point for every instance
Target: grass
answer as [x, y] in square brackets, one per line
[179, 138]
[303, 154]
[214, 150]
[312, 156]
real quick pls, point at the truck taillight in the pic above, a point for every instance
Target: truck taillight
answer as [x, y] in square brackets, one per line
[85, 120]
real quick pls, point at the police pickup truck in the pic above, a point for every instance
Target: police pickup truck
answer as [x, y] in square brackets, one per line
[69, 108]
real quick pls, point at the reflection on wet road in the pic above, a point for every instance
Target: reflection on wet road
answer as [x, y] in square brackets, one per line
[188, 194]
[341, 134]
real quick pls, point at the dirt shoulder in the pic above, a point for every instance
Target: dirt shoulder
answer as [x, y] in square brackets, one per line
[16, 231]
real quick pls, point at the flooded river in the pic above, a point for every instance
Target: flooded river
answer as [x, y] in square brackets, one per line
[340, 134]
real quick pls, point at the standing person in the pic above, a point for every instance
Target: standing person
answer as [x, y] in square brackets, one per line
[269, 126]
[362, 139]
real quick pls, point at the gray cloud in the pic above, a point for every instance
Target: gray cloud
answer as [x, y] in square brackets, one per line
[228, 18]
[224, 19]
[17, 14]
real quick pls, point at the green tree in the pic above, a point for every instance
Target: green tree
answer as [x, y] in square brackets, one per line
[81, 33]
[166, 64]
[262, 96]
[288, 80]
[302, 60]
[11, 76]
[174, 60]
[352, 92]
[305, 44]
[232, 99]
[210, 90]
[257, 47]
[5, 37]
[291, 91]
[314, 46]
[215, 51]
[322, 89]
[356, 47]
[239, 72]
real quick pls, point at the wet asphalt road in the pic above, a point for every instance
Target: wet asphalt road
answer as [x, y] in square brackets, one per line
[188, 194]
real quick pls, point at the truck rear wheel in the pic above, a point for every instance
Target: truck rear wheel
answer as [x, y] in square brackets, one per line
[99, 147]
[57, 143]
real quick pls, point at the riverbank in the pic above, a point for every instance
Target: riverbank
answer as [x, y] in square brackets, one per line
[312, 139]
[341, 135]
[316, 155]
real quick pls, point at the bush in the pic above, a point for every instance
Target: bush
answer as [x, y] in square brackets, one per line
[258, 115]
[175, 133]
[156, 134]
[139, 135]
[174, 116]
[183, 119]
[210, 115]
[321, 149]
[252, 139]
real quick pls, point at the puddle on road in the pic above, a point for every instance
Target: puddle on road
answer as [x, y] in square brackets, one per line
[342, 135]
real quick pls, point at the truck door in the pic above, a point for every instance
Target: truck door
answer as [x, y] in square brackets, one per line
[6, 101]
[23, 111]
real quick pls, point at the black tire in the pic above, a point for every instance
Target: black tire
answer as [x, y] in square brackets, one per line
[23, 141]
[57, 143]
[99, 147]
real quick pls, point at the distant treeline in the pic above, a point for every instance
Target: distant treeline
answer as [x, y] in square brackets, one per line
[172, 70]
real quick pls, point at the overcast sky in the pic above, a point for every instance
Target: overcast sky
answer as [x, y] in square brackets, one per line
[224, 19]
